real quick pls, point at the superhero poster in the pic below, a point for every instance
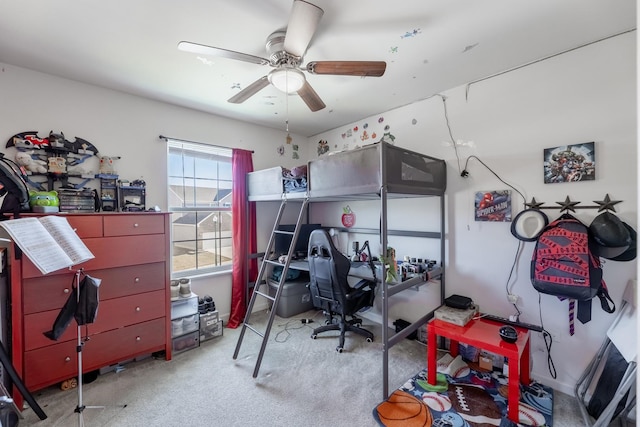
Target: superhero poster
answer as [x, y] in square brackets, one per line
[493, 205]
[570, 163]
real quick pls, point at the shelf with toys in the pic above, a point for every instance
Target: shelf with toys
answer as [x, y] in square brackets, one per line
[56, 166]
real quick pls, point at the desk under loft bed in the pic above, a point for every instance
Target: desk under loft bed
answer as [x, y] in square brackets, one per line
[380, 172]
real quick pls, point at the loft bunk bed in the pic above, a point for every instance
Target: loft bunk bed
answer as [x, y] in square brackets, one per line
[380, 172]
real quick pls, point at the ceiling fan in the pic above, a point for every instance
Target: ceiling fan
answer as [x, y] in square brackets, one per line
[286, 49]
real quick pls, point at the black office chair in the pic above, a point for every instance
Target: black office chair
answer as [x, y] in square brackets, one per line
[330, 291]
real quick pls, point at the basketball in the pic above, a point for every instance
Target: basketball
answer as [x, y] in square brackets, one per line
[402, 409]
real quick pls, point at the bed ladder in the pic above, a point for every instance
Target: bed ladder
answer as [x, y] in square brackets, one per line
[263, 280]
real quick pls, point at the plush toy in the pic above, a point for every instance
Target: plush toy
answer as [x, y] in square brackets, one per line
[106, 165]
[25, 160]
[43, 198]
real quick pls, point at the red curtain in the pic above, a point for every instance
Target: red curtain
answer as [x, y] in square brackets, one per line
[244, 237]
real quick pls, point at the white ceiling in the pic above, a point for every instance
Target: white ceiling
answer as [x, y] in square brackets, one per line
[429, 46]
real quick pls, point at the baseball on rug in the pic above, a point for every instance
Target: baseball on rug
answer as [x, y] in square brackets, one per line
[477, 399]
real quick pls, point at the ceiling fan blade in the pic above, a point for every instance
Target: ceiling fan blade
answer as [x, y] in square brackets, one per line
[249, 91]
[310, 97]
[348, 68]
[303, 22]
[221, 53]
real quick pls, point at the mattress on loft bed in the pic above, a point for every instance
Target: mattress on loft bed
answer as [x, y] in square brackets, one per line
[271, 183]
[365, 170]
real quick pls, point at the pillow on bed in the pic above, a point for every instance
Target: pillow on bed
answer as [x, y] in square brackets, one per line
[299, 171]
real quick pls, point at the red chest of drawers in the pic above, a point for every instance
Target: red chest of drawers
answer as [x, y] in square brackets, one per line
[132, 258]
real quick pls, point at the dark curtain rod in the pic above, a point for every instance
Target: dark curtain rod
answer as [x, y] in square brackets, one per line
[166, 138]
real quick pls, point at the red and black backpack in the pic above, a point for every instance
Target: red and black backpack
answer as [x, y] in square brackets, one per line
[563, 265]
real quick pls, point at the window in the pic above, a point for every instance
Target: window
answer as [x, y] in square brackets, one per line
[200, 183]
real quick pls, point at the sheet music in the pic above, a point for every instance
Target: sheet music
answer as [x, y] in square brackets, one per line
[67, 238]
[49, 249]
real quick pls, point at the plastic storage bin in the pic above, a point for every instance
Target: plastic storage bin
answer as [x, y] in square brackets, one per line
[186, 342]
[184, 325]
[210, 326]
[295, 298]
[184, 306]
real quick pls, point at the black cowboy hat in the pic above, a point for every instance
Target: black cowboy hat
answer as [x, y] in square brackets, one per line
[630, 253]
[609, 237]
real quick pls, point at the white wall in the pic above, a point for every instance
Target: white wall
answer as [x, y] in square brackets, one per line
[582, 96]
[123, 125]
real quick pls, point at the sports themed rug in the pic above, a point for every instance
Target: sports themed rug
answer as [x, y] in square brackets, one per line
[475, 399]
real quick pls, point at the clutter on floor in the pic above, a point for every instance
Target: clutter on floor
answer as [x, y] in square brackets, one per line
[473, 397]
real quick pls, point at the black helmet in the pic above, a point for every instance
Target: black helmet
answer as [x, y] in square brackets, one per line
[609, 236]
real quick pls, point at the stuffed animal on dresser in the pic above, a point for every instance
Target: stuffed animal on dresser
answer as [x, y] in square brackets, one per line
[24, 159]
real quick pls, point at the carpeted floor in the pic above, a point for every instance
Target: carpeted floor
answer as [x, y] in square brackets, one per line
[302, 382]
[475, 398]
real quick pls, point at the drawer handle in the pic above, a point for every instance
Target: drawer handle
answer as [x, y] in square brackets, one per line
[66, 290]
[138, 338]
[137, 279]
[135, 225]
[137, 308]
[67, 359]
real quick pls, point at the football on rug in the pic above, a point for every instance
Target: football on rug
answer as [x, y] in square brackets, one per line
[475, 399]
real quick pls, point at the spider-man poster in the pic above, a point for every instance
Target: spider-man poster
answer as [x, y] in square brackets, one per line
[493, 205]
[570, 163]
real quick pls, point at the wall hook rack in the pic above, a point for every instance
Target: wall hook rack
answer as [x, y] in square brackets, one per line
[569, 205]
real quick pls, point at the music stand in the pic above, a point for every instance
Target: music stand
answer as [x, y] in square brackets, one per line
[82, 305]
[81, 407]
[51, 244]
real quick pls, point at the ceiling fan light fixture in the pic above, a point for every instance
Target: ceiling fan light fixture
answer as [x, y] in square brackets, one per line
[287, 80]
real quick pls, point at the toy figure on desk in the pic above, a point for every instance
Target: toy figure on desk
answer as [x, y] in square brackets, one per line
[392, 266]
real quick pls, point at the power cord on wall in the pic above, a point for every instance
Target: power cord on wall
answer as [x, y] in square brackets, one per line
[508, 291]
[446, 118]
[465, 174]
[548, 339]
